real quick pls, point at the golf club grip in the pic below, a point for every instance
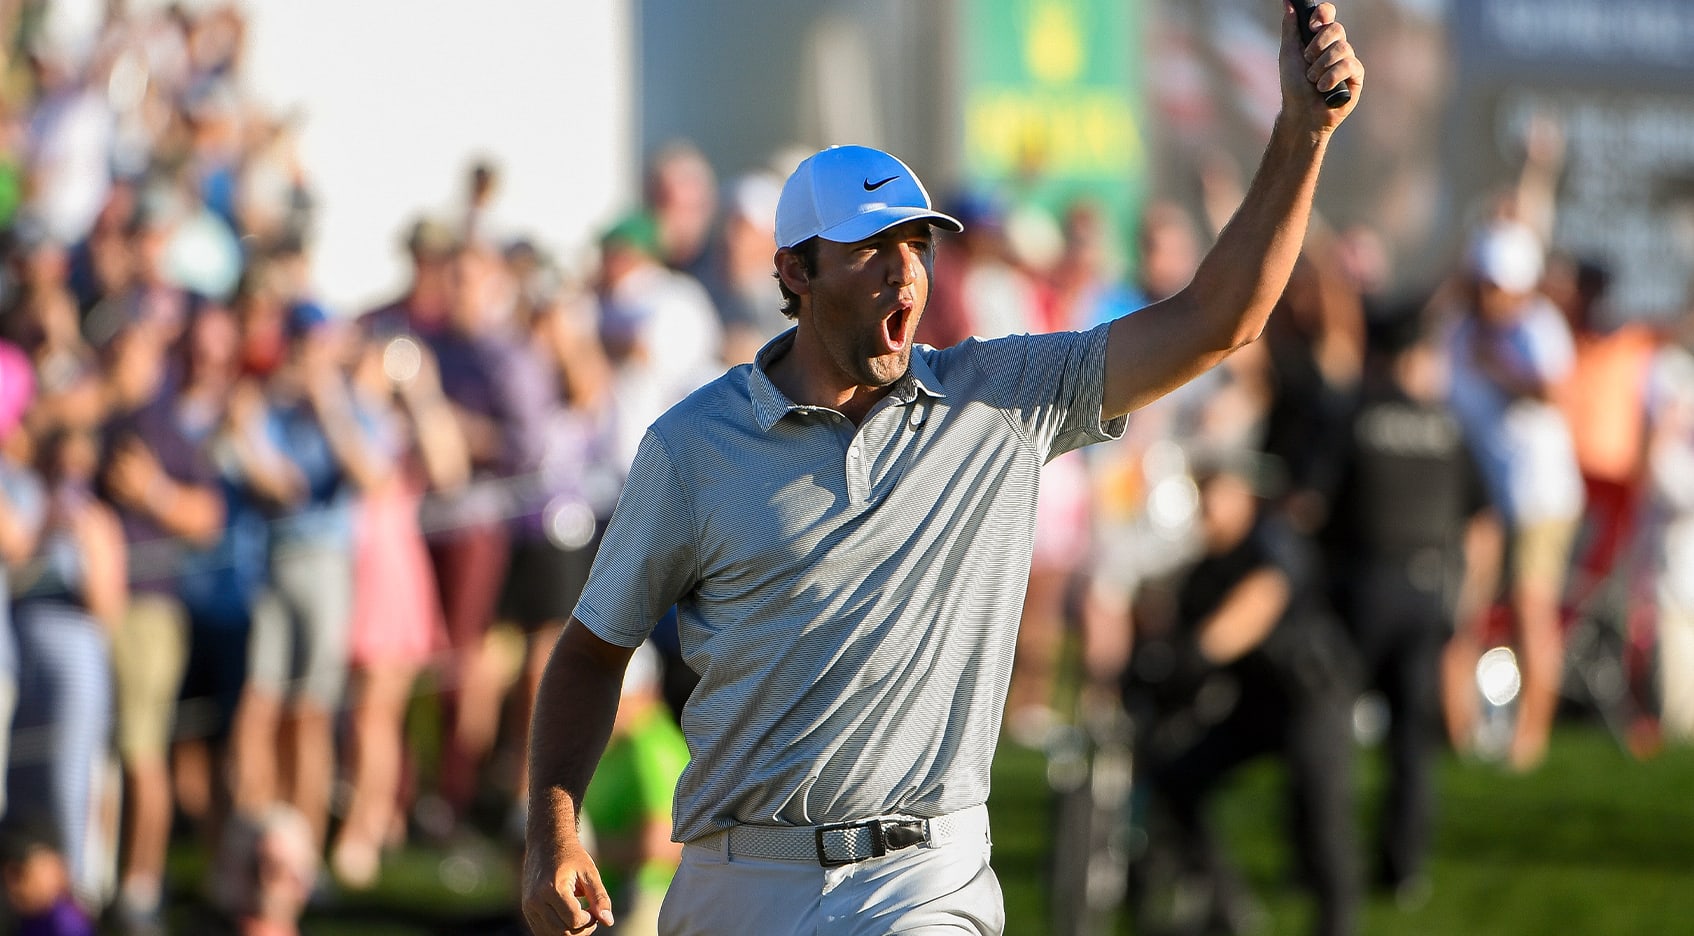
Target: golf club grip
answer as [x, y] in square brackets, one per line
[1338, 95]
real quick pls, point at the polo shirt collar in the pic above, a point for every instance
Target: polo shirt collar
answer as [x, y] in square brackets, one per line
[770, 404]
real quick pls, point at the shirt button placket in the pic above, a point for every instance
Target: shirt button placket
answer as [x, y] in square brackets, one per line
[858, 479]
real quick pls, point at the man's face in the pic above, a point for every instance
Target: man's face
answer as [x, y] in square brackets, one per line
[1497, 306]
[32, 885]
[1227, 511]
[866, 299]
[474, 282]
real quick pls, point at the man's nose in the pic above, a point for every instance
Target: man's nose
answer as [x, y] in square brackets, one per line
[907, 262]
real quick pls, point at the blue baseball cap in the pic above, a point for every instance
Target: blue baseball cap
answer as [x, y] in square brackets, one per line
[848, 193]
[305, 317]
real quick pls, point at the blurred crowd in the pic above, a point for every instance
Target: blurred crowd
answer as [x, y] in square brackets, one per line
[248, 539]
[250, 544]
[1416, 520]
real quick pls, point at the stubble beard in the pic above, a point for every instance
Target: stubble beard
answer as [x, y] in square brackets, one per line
[858, 352]
[872, 367]
[887, 369]
[861, 359]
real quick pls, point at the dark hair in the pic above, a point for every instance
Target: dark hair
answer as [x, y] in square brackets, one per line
[1396, 331]
[1264, 473]
[807, 251]
[23, 834]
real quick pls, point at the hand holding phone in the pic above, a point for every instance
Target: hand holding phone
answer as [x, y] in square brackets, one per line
[1303, 9]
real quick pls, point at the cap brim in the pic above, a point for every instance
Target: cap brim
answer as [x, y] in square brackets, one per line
[861, 226]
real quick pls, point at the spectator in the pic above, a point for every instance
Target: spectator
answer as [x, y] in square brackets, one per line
[1412, 547]
[40, 316]
[203, 254]
[261, 310]
[69, 143]
[37, 266]
[397, 624]
[565, 503]
[681, 195]
[1137, 480]
[1168, 248]
[37, 882]
[273, 199]
[150, 295]
[213, 127]
[22, 505]
[1605, 404]
[1362, 258]
[101, 263]
[266, 873]
[480, 223]
[1086, 280]
[215, 43]
[1062, 546]
[500, 396]
[142, 63]
[1669, 526]
[658, 325]
[12, 138]
[738, 278]
[1315, 349]
[63, 615]
[297, 652]
[422, 309]
[1511, 354]
[1252, 663]
[980, 288]
[164, 487]
[218, 584]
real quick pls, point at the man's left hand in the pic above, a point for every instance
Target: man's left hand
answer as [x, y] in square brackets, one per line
[1310, 72]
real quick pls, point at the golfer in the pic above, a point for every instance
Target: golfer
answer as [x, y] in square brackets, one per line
[844, 527]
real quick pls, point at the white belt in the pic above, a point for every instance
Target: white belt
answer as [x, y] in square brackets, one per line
[845, 843]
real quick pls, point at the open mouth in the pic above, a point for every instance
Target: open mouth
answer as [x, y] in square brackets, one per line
[894, 327]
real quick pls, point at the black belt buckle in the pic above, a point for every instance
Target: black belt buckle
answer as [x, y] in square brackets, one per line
[886, 835]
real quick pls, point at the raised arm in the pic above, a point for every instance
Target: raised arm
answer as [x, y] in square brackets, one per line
[1245, 618]
[1159, 348]
[190, 509]
[574, 709]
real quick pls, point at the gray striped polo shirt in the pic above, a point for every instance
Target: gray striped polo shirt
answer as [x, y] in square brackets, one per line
[849, 596]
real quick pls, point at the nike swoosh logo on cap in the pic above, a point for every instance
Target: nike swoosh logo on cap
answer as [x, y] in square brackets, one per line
[873, 186]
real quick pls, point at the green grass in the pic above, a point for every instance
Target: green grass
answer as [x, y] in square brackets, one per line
[466, 888]
[1593, 843]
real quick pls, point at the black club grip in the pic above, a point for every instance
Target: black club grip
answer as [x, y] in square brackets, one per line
[1338, 95]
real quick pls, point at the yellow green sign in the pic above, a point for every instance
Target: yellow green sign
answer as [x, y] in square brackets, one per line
[1052, 99]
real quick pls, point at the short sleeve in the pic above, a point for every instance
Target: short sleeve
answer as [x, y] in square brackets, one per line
[28, 498]
[1552, 353]
[647, 559]
[1052, 386]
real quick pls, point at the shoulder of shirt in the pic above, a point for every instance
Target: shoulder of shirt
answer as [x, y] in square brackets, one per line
[972, 352]
[1542, 313]
[724, 396]
[1281, 544]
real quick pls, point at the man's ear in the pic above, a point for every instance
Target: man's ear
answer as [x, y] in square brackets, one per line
[791, 269]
